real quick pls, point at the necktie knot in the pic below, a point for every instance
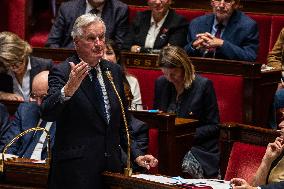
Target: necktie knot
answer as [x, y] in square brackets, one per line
[94, 11]
[219, 28]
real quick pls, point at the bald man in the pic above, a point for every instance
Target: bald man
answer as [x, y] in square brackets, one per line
[32, 145]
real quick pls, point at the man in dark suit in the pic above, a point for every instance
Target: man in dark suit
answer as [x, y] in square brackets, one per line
[155, 28]
[84, 100]
[113, 12]
[227, 33]
[239, 183]
[31, 145]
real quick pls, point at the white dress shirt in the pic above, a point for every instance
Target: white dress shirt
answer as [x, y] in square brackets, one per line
[23, 90]
[153, 32]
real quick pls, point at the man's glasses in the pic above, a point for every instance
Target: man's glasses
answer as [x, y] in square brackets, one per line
[35, 96]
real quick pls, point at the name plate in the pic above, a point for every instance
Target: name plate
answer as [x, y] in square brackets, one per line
[142, 60]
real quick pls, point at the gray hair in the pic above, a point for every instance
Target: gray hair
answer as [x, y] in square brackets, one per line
[83, 21]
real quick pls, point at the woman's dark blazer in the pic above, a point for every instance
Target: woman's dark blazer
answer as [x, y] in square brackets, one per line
[37, 64]
[173, 31]
[198, 102]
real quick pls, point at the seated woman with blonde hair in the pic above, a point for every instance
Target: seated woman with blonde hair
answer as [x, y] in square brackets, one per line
[183, 92]
[18, 67]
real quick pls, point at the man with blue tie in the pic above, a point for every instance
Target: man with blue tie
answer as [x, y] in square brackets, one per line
[227, 33]
[86, 99]
[31, 145]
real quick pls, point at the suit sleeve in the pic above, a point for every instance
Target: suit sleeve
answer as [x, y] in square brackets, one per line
[209, 118]
[178, 33]
[157, 94]
[132, 31]
[191, 37]
[275, 57]
[58, 30]
[53, 104]
[247, 51]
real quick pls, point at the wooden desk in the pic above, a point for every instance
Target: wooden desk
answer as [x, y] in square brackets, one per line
[175, 137]
[119, 181]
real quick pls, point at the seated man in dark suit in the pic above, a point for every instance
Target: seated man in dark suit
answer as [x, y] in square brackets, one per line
[227, 33]
[32, 145]
[113, 12]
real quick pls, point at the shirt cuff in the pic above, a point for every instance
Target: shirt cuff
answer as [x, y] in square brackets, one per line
[64, 98]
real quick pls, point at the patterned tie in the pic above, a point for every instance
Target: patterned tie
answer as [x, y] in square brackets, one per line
[219, 27]
[103, 100]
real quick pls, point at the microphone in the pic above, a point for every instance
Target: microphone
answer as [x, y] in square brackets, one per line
[128, 169]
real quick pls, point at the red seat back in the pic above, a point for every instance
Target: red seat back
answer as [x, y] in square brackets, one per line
[16, 17]
[244, 161]
[133, 9]
[146, 79]
[229, 93]
[190, 14]
[264, 24]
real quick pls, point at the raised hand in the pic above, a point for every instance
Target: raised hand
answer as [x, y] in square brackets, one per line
[76, 76]
[273, 150]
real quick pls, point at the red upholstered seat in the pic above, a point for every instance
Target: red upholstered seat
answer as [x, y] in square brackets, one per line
[146, 78]
[15, 15]
[264, 23]
[244, 161]
[190, 14]
[277, 23]
[229, 92]
[132, 11]
[39, 39]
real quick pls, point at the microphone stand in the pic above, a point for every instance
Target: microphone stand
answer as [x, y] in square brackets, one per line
[127, 169]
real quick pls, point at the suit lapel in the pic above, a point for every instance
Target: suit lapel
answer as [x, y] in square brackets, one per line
[144, 29]
[231, 26]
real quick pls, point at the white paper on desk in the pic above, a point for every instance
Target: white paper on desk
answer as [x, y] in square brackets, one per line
[214, 183]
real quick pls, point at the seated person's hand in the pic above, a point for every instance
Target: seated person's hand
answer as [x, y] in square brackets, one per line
[146, 161]
[238, 183]
[273, 150]
[207, 41]
[11, 97]
[135, 48]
